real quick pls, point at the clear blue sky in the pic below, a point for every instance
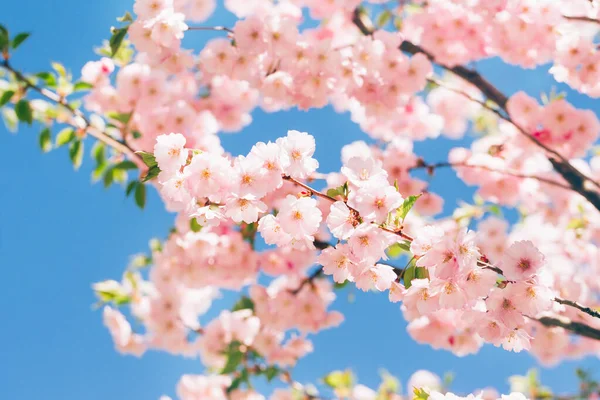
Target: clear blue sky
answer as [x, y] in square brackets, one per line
[59, 234]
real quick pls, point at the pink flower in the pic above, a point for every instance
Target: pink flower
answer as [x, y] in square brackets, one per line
[244, 209]
[368, 242]
[169, 152]
[517, 340]
[341, 220]
[147, 9]
[364, 172]
[249, 35]
[335, 261]
[167, 28]
[297, 151]
[271, 231]
[420, 296]
[379, 276]
[521, 261]
[209, 176]
[299, 217]
[375, 202]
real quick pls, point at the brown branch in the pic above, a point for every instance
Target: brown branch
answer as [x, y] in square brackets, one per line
[578, 306]
[61, 101]
[581, 19]
[486, 168]
[209, 28]
[575, 327]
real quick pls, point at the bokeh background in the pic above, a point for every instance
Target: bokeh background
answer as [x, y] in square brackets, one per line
[59, 234]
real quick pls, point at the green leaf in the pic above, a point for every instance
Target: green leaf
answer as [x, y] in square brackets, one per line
[24, 111]
[147, 158]
[130, 187]
[397, 249]
[152, 173]
[6, 96]
[126, 17]
[60, 69]
[79, 86]
[271, 372]
[136, 134]
[195, 226]
[243, 303]
[383, 18]
[10, 119]
[20, 38]
[409, 275]
[99, 153]
[46, 140]
[4, 39]
[339, 191]
[64, 136]
[409, 202]
[116, 39]
[339, 379]
[48, 78]
[233, 360]
[242, 377]
[140, 195]
[121, 117]
[125, 165]
[76, 153]
[340, 285]
[420, 394]
[495, 209]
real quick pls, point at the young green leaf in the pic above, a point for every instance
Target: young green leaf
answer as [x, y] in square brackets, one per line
[116, 40]
[243, 303]
[409, 202]
[24, 111]
[147, 158]
[125, 165]
[65, 136]
[126, 17]
[233, 360]
[48, 78]
[76, 153]
[6, 96]
[195, 226]
[152, 173]
[79, 86]
[131, 187]
[4, 39]
[140, 195]
[60, 69]
[45, 140]
[19, 39]
[121, 117]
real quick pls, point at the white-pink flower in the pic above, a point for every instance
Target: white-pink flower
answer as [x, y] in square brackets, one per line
[341, 220]
[169, 152]
[297, 151]
[521, 261]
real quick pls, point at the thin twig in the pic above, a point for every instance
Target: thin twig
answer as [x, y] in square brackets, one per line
[209, 28]
[581, 19]
[575, 327]
[505, 172]
[578, 306]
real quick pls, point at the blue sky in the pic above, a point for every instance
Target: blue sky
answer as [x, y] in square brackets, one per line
[59, 234]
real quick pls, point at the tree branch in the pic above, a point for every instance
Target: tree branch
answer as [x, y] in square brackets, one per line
[576, 178]
[578, 306]
[61, 101]
[575, 327]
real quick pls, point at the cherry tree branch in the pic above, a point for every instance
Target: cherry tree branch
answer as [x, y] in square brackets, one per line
[574, 304]
[581, 19]
[578, 181]
[579, 328]
[209, 28]
[444, 164]
[61, 101]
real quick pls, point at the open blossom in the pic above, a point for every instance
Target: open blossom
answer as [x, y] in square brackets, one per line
[299, 217]
[169, 151]
[368, 242]
[244, 209]
[521, 261]
[364, 172]
[375, 203]
[341, 220]
[335, 261]
[297, 151]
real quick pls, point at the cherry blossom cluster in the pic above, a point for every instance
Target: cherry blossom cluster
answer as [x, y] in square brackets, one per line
[422, 385]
